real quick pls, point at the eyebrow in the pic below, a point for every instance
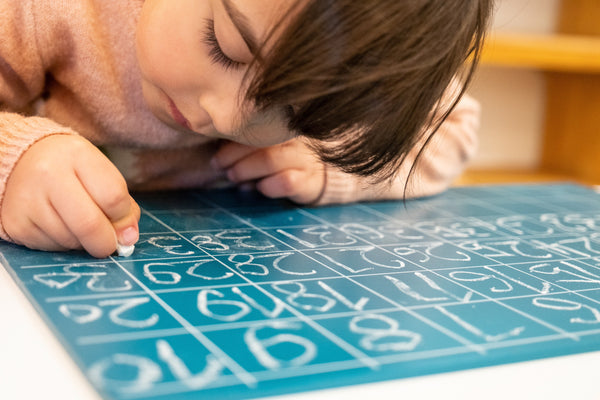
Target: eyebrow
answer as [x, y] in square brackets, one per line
[242, 25]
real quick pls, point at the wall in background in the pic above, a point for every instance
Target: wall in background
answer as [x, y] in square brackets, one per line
[513, 99]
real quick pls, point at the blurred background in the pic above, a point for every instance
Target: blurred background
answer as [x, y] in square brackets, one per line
[539, 86]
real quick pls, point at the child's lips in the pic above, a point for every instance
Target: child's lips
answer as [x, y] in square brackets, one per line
[178, 116]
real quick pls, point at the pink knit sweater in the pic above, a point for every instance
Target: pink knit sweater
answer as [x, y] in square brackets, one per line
[70, 67]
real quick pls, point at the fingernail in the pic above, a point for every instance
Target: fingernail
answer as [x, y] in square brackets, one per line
[129, 236]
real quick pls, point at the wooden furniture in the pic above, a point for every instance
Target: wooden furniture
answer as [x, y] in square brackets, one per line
[570, 60]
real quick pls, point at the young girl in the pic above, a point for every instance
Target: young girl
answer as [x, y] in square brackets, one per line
[318, 101]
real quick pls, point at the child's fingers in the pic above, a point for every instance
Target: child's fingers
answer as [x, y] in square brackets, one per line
[127, 228]
[39, 227]
[79, 193]
[38, 239]
[108, 189]
[267, 161]
[296, 185]
[106, 186]
[84, 218]
[230, 153]
[54, 227]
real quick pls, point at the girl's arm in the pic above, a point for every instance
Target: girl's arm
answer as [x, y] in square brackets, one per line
[22, 80]
[57, 191]
[290, 170]
[442, 161]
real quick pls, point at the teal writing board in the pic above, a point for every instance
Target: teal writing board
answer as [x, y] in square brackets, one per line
[230, 295]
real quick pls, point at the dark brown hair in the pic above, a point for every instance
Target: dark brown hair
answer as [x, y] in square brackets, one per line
[364, 79]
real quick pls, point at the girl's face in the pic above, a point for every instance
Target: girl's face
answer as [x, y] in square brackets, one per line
[193, 55]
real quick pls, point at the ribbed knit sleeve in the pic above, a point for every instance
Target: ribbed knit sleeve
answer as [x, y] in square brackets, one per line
[22, 81]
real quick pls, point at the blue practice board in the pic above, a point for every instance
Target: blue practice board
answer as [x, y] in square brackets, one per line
[229, 295]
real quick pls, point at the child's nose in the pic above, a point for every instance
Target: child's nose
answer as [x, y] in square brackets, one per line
[225, 114]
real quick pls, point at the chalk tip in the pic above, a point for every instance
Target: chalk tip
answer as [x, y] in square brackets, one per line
[125, 251]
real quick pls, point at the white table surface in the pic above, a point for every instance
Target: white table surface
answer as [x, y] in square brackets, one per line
[33, 365]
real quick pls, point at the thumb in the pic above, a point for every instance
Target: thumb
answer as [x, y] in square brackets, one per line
[127, 229]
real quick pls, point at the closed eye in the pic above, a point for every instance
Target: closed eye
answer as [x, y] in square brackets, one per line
[215, 51]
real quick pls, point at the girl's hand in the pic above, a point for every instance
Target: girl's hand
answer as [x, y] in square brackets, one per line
[65, 194]
[290, 169]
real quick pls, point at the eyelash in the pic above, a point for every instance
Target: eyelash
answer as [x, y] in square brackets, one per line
[215, 52]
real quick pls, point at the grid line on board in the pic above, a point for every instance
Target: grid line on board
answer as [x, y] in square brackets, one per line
[225, 359]
[358, 354]
[470, 345]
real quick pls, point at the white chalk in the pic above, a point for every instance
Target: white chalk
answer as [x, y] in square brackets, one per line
[125, 251]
